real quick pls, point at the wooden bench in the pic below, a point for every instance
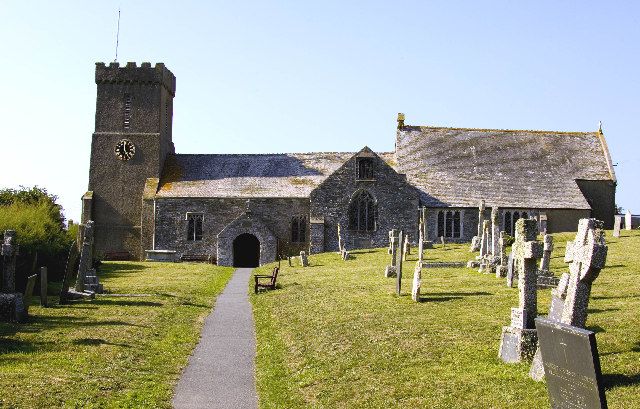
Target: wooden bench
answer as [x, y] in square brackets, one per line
[271, 285]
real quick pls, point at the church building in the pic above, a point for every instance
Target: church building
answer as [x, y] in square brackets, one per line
[249, 209]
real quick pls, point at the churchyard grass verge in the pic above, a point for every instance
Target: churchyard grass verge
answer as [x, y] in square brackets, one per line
[124, 352]
[335, 335]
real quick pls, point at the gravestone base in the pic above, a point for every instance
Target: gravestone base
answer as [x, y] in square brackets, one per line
[345, 255]
[427, 244]
[517, 344]
[12, 308]
[74, 295]
[473, 264]
[390, 271]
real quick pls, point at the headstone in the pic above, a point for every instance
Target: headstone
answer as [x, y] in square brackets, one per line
[43, 287]
[427, 244]
[28, 291]
[423, 218]
[518, 341]
[86, 256]
[399, 266]
[485, 239]
[345, 255]
[617, 224]
[417, 282]
[9, 253]
[543, 223]
[289, 260]
[304, 262]
[571, 364]
[587, 255]
[407, 247]
[478, 241]
[442, 242]
[68, 275]
[390, 270]
[546, 254]
[340, 243]
[501, 269]
[512, 274]
[420, 248]
[475, 244]
[390, 248]
[627, 220]
[495, 232]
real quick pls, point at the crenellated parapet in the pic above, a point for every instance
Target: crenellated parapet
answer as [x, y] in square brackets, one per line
[131, 73]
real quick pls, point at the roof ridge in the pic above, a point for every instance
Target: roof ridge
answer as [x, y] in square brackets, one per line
[263, 154]
[503, 130]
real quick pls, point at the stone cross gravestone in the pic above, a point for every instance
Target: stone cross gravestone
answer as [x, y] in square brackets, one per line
[477, 240]
[304, 261]
[417, 282]
[627, 220]
[501, 268]
[587, 255]
[572, 365]
[518, 341]
[86, 255]
[423, 219]
[420, 247]
[617, 225]
[485, 241]
[546, 254]
[495, 233]
[390, 270]
[399, 266]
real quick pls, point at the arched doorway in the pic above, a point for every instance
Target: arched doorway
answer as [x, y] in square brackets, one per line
[246, 251]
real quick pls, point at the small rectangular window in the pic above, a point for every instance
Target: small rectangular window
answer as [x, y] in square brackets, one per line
[127, 111]
[365, 168]
[449, 224]
[194, 226]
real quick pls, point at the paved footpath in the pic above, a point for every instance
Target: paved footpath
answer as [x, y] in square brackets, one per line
[221, 371]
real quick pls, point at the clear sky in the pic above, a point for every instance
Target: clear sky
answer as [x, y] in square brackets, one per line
[296, 76]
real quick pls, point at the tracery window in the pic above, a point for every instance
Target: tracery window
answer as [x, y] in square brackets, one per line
[365, 168]
[449, 224]
[510, 219]
[194, 226]
[363, 212]
[299, 229]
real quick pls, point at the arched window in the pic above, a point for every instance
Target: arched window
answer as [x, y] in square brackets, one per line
[299, 229]
[194, 226]
[363, 212]
[440, 223]
[525, 215]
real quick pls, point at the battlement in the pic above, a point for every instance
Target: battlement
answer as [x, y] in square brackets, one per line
[131, 73]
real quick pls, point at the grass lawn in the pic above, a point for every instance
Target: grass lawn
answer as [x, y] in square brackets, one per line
[335, 335]
[123, 352]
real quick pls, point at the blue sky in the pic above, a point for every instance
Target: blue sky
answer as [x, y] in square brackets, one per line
[294, 76]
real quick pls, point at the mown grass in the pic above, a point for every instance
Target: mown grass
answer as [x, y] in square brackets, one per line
[335, 334]
[113, 352]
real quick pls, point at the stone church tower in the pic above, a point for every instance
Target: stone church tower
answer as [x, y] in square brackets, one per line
[132, 138]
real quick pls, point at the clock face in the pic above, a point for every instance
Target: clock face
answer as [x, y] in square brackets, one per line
[125, 149]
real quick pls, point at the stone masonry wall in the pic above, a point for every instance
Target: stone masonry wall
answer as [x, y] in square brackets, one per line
[171, 222]
[397, 203]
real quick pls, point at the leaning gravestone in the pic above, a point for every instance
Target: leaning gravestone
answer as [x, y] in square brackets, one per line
[617, 224]
[390, 270]
[68, 275]
[587, 255]
[86, 256]
[572, 365]
[518, 340]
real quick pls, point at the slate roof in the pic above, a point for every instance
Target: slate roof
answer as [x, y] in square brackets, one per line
[522, 169]
[250, 175]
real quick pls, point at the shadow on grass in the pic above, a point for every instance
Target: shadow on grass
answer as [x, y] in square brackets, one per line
[463, 293]
[127, 303]
[96, 342]
[190, 304]
[8, 346]
[616, 379]
[597, 310]
[616, 297]
[596, 328]
[438, 299]
[38, 322]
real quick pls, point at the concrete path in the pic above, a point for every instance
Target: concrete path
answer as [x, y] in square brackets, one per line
[221, 371]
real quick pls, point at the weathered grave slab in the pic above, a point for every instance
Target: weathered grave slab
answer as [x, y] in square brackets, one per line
[571, 364]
